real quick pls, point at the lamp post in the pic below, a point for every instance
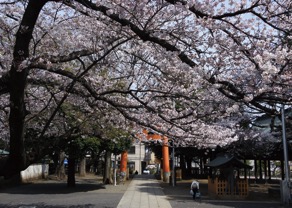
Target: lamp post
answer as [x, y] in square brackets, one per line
[115, 162]
[285, 184]
[140, 158]
[173, 165]
[115, 171]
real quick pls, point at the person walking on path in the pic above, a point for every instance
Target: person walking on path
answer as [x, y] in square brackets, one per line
[195, 188]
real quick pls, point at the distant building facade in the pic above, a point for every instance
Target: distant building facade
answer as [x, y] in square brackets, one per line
[139, 157]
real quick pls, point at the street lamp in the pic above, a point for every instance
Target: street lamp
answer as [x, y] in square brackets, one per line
[115, 163]
[285, 185]
[173, 165]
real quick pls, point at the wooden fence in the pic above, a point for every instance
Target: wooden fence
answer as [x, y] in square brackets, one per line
[222, 189]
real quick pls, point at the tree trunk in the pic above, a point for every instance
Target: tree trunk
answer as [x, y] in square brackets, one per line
[182, 165]
[189, 166]
[82, 169]
[265, 170]
[269, 170]
[201, 166]
[282, 170]
[245, 171]
[255, 170]
[107, 179]
[17, 158]
[97, 164]
[60, 169]
[204, 165]
[261, 169]
[71, 172]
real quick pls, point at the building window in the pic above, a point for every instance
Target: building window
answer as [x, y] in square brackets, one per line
[132, 150]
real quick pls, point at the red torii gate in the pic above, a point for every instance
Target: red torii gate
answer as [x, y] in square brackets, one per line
[165, 155]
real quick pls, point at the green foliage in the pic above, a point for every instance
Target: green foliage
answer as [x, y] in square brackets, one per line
[116, 140]
[121, 144]
[118, 145]
[92, 144]
[79, 147]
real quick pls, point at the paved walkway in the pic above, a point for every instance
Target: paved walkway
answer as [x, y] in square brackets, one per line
[144, 191]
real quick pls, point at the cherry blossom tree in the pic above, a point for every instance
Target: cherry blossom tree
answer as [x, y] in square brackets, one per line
[186, 69]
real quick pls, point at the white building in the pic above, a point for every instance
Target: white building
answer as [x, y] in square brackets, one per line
[139, 157]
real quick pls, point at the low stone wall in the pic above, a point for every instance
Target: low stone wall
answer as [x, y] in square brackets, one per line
[35, 171]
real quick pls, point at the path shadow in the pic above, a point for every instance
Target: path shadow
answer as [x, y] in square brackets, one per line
[52, 188]
[42, 205]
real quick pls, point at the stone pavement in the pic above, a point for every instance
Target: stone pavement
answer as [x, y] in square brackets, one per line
[144, 191]
[139, 192]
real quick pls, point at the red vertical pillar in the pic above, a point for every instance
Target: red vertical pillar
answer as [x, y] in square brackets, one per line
[124, 162]
[165, 155]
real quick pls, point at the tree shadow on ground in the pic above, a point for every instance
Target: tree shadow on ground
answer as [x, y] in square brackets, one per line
[42, 205]
[51, 188]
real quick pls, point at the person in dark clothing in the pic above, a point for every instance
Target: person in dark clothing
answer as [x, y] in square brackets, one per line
[195, 188]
